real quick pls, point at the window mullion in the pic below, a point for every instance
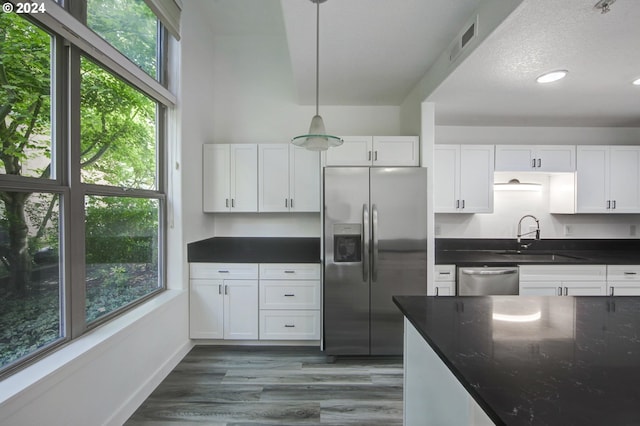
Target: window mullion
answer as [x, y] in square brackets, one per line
[77, 271]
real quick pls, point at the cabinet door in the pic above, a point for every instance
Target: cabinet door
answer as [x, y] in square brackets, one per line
[273, 182]
[241, 309]
[355, 151]
[513, 158]
[446, 177]
[206, 309]
[624, 175]
[244, 177]
[540, 288]
[623, 288]
[215, 178]
[304, 180]
[555, 158]
[392, 151]
[476, 178]
[596, 288]
[592, 179]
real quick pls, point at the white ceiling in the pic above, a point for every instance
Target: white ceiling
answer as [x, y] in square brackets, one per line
[496, 84]
[373, 52]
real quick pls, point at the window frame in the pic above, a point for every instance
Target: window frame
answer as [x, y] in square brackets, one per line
[70, 40]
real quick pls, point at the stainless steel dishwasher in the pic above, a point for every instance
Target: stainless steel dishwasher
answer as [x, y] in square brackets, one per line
[487, 281]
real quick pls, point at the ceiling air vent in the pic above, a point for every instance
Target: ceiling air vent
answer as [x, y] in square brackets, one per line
[463, 39]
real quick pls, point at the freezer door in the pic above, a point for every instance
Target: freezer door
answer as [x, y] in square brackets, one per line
[346, 255]
[399, 250]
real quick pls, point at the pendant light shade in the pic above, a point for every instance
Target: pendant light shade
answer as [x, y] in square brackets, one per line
[317, 139]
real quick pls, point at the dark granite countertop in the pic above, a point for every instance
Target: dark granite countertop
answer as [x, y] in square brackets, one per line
[255, 250]
[577, 364]
[502, 252]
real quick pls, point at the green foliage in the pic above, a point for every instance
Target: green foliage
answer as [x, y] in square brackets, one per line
[129, 26]
[117, 131]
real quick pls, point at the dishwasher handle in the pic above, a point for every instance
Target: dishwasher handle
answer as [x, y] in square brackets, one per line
[489, 271]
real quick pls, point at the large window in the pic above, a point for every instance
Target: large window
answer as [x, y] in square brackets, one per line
[82, 192]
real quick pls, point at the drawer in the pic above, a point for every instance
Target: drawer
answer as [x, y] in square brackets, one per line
[289, 294]
[445, 273]
[233, 271]
[289, 325]
[290, 271]
[623, 273]
[563, 273]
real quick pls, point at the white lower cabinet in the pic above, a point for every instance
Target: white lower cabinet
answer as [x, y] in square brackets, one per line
[563, 280]
[250, 301]
[444, 281]
[223, 301]
[623, 280]
[289, 301]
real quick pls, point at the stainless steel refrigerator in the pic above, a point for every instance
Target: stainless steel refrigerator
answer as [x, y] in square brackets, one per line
[375, 247]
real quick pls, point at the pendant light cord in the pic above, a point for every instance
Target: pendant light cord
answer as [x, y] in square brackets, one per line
[317, 55]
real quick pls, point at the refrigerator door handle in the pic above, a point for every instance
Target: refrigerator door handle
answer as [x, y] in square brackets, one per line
[374, 239]
[365, 243]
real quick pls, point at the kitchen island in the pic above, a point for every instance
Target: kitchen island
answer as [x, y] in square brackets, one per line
[516, 360]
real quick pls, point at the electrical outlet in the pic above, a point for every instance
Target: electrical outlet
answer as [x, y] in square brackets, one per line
[568, 230]
[632, 230]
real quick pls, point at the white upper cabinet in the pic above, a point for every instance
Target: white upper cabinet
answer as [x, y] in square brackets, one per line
[230, 178]
[463, 178]
[289, 179]
[383, 151]
[543, 158]
[608, 179]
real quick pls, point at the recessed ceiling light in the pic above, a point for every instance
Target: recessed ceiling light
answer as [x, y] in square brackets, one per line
[552, 76]
[636, 82]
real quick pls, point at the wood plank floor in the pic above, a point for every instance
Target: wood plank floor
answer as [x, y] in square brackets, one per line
[241, 386]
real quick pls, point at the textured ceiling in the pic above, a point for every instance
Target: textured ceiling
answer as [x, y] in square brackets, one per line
[373, 52]
[496, 84]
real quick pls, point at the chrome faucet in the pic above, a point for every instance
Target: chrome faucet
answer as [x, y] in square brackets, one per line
[520, 234]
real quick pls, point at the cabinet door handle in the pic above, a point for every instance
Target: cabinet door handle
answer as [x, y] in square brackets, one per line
[289, 325]
[219, 288]
[533, 163]
[559, 291]
[233, 202]
[375, 155]
[286, 202]
[226, 289]
[613, 203]
[369, 155]
[539, 162]
[437, 288]
[457, 204]
[608, 204]
[463, 204]
[291, 203]
[289, 295]
[566, 291]
[226, 202]
[612, 291]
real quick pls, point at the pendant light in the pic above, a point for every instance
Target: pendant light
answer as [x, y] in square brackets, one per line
[317, 139]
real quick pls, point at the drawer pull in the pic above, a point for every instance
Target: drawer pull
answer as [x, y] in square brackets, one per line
[223, 272]
[289, 295]
[289, 272]
[289, 326]
[630, 273]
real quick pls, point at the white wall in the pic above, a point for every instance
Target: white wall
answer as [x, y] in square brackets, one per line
[510, 206]
[239, 89]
